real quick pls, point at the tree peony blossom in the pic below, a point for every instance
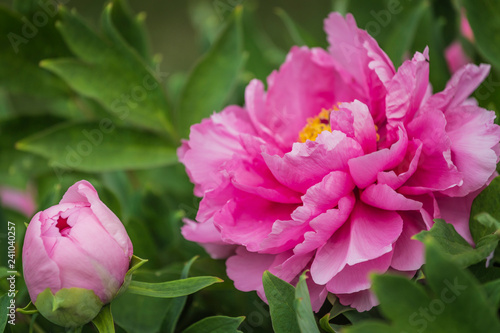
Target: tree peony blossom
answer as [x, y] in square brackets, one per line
[337, 166]
[75, 257]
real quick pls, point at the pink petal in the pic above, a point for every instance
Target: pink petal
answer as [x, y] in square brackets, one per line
[364, 169]
[356, 278]
[354, 119]
[304, 85]
[325, 225]
[359, 55]
[405, 170]
[212, 143]
[461, 85]
[83, 191]
[408, 254]
[18, 200]
[473, 136]
[456, 57]
[457, 212]
[369, 234]
[384, 197]
[407, 89]
[324, 195]
[248, 220]
[436, 170]
[40, 271]
[362, 300]
[253, 176]
[310, 161]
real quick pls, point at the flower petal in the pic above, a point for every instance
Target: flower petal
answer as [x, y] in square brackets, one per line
[356, 278]
[83, 191]
[408, 254]
[310, 161]
[364, 169]
[369, 234]
[43, 272]
[473, 136]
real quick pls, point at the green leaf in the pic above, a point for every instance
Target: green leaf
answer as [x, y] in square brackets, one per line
[171, 289]
[145, 316]
[17, 167]
[113, 75]
[4, 272]
[324, 323]
[26, 6]
[281, 298]
[4, 310]
[455, 302]
[212, 79]
[483, 18]
[488, 201]
[120, 25]
[216, 324]
[33, 90]
[98, 147]
[177, 304]
[492, 290]
[305, 316]
[299, 36]
[104, 320]
[451, 243]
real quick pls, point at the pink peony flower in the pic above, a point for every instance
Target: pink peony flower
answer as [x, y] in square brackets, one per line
[337, 166]
[456, 57]
[21, 201]
[78, 243]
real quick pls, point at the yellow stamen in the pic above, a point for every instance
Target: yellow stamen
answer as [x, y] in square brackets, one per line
[315, 126]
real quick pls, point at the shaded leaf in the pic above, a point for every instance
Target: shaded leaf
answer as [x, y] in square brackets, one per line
[120, 24]
[112, 75]
[104, 320]
[172, 289]
[212, 79]
[216, 324]
[305, 315]
[451, 243]
[281, 297]
[483, 19]
[98, 147]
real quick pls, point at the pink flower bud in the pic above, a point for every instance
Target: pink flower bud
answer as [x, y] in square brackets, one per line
[78, 243]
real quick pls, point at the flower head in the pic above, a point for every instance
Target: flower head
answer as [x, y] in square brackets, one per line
[337, 166]
[76, 249]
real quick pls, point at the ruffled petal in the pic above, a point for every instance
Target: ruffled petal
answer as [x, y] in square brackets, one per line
[473, 136]
[364, 169]
[408, 254]
[211, 144]
[461, 85]
[407, 89]
[362, 300]
[354, 119]
[384, 197]
[369, 234]
[310, 161]
[356, 278]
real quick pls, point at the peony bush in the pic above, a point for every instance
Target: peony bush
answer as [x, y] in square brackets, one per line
[336, 165]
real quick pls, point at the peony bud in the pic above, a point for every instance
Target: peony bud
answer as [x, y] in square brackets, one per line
[75, 257]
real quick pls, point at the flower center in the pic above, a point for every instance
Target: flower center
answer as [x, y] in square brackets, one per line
[63, 226]
[315, 126]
